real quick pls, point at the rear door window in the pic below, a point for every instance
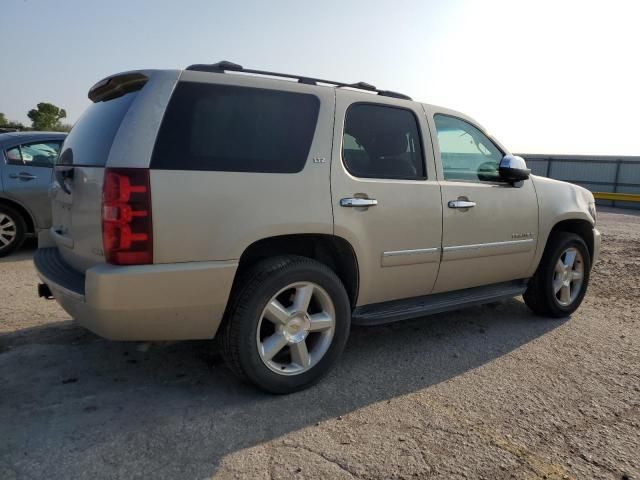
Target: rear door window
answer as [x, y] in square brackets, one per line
[35, 154]
[382, 142]
[13, 156]
[235, 129]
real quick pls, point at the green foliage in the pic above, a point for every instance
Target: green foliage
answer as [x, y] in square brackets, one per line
[46, 116]
[9, 125]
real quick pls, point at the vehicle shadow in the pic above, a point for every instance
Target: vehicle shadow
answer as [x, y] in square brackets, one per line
[24, 253]
[72, 404]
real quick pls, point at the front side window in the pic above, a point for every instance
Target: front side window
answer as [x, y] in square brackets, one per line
[466, 153]
[36, 154]
[236, 129]
[382, 142]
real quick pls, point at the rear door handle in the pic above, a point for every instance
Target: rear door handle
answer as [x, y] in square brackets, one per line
[461, 204]
[358, 202]
[22, 176]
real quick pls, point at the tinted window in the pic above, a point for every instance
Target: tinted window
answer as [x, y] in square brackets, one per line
[235, 129]
[382, 142]
[35, 154]
[90, 139]
[466, 152]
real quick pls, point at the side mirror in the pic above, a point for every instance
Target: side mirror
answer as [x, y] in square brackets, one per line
[513, 169]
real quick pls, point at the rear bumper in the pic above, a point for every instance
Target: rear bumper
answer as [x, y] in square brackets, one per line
[181, 301]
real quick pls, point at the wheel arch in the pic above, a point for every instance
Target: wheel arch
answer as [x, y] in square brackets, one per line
[22, 210]
[333, 251]
[582, 228]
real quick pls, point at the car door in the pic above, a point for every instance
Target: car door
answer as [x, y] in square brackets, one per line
[27, 174]
[385, 195]
[489, 226]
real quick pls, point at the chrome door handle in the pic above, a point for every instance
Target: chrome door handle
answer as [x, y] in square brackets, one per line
[461, 204]
[358, 202]
[22, 176]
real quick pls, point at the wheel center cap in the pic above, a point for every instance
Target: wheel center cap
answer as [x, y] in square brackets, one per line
[297, 328]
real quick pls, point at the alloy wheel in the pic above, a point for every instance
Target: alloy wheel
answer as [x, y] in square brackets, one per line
[568, 276]
[8, 230]
[296, 328]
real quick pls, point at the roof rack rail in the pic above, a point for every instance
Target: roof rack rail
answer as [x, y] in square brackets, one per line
[225, 66]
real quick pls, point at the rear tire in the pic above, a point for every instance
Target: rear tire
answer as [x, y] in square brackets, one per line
[560, 282]
[13, 230]
[288, 322]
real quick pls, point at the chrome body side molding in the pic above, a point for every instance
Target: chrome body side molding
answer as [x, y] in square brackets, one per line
[459, 252]
[410, 257]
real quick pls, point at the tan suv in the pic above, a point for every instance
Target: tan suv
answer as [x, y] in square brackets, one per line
[275, 210]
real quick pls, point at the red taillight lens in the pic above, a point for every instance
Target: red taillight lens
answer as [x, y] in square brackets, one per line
[126, 216]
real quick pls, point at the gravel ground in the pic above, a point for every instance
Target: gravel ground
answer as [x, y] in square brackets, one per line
[488, 392]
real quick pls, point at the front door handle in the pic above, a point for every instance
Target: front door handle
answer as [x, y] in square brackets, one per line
[22, 176]
[358, 202]
[461, 204]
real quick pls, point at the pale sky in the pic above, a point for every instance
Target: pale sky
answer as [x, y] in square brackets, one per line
[542, 76]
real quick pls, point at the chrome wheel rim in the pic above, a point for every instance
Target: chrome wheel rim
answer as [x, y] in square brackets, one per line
[296, 328]
[8, 230]
[568, 276]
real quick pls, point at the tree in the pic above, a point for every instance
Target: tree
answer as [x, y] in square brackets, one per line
[9, 125]
[46, 116]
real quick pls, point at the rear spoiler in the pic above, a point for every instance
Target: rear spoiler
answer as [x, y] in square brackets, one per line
[116, 86]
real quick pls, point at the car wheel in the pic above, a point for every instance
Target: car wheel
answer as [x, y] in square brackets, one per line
[560, 283]
[12, 230]
[288, 322]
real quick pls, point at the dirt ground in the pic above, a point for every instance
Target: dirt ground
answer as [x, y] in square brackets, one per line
[488, 392]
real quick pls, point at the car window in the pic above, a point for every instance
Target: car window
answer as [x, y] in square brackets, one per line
[466, 153]
[382, 142]
[35, 154]
[236, 129]
[13, 156]
[89, 141]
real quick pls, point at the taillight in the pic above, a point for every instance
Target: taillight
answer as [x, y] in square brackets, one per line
[127, 235]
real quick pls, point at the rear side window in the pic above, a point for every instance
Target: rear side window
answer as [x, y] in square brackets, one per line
[235, 129]
[90, 139]
[382, 142]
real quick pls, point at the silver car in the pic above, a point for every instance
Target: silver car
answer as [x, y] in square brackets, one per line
[25, 175]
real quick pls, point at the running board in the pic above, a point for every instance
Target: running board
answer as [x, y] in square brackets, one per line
[397, 310]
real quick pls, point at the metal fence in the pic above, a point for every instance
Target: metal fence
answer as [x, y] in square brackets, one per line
[597, 173]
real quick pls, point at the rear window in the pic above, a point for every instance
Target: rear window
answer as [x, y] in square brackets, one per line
[235, 129]
[90, 139]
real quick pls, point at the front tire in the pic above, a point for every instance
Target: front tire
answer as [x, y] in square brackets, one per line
[12, 230]
[560, 282]
[288, 322]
